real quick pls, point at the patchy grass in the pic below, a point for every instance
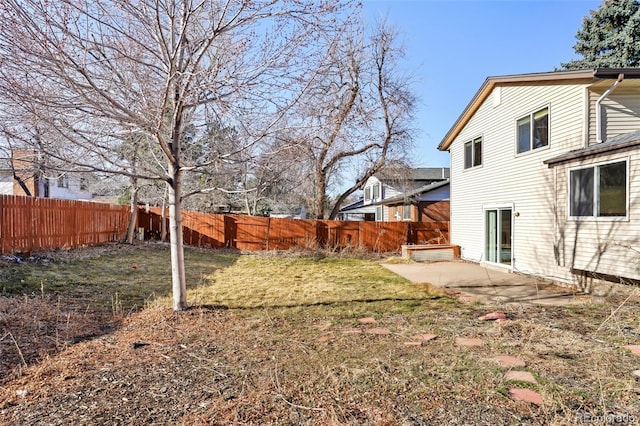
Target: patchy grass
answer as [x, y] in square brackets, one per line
[116, 277]
[269, 282]
[277, 340]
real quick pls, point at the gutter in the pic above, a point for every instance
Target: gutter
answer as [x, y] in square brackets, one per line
[599, 137]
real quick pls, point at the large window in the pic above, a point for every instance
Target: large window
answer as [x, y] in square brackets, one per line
[599, 191]
[533, 131]
[473, 153]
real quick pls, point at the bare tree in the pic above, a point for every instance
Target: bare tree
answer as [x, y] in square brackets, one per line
[356, 115]
[93, 71]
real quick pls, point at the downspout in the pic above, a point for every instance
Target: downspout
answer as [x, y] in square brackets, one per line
[599, 138]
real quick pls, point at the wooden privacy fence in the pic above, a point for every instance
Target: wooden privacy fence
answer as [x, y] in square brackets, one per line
[29, 223]
[263, 233]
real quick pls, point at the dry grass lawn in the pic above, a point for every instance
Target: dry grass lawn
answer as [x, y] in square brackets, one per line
[277, 339]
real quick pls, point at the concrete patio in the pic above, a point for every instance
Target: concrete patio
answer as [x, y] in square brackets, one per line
[488, 285]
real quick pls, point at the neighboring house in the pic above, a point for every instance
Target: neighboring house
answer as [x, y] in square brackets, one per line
[545, 174]
[423, 191]
[428, 203]
[63, 185]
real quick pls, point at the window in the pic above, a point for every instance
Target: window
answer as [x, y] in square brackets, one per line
[406, 212]
[376, 191]
[379, 217]
[63, 181]
[533, 131]
[473, 153]
[599, 191]
[367, 193]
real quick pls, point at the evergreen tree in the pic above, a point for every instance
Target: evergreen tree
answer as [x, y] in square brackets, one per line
[609, 38]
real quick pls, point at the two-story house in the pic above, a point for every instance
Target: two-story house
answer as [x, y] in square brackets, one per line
[19, 176]
[545, 174]
[399, 194]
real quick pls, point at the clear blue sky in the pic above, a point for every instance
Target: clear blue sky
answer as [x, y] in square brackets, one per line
[452, 46]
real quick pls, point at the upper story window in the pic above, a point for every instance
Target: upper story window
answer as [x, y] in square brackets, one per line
[63, 181]
[376, 191]
[473, 153]
[599, 190]
[367, 193]
[533, 131]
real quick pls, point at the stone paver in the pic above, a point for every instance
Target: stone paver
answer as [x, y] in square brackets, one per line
[463, 341]
[509, 361]
[527, 395]
[323, 339]
[494, 316]
[367, 320]
[635, 349]
[636, 373]
[519, 376]
[424, 336]
[378, 331]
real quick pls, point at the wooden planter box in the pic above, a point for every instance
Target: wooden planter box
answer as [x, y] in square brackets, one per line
[430, 252]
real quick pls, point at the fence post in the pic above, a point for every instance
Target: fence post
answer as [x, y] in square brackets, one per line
[268, 231]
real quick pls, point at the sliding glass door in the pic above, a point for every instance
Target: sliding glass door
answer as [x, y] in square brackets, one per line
[498, 228]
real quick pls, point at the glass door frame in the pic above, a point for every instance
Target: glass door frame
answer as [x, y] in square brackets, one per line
[498, 246]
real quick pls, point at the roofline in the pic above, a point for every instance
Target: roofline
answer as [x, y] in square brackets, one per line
[489, 84]
[410, 194]
[585, 154]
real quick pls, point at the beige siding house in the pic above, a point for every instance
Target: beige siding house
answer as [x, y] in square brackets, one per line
[545, 175]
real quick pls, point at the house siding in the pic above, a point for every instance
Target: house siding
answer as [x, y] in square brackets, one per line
[606, 246]
[520, 181]
[6, 185]
[620, 112]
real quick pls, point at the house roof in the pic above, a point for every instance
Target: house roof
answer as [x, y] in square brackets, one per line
[413, 174]
[584, 76]
[413, 193]
[618, 143]
[5, 164]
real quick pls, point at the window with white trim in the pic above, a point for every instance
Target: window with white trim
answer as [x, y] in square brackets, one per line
[533, 131]
[379, 217]
[599, 191]
[367, 193]
[376, 191]
[406, 212]
[473, 153]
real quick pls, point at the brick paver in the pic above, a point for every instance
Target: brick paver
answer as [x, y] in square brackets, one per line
[509, 361]
[527, 395]
[463, 341]
[378, 331]
[635, 349]
[519, 376]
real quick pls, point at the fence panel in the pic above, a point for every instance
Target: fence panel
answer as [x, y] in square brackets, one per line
[285, 234]
[383, 236]
[29, 223]
[428, 233]
[263, 233]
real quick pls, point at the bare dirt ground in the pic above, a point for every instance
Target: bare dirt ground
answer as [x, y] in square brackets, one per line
[314, 364]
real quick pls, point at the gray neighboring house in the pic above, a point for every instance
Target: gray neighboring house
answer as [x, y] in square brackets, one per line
[545, 175]
[406, 187]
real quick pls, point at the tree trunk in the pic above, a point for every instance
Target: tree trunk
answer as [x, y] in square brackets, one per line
[178, 278]
[321, 195]
[131, 229]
